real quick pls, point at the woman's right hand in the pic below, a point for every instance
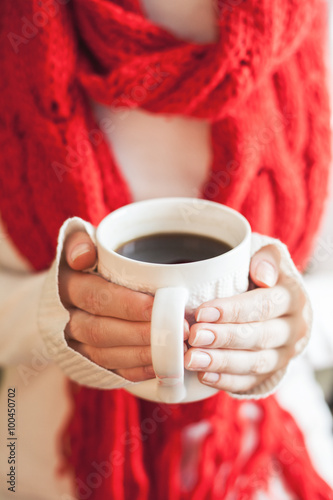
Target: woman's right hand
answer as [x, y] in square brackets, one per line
[109, 324]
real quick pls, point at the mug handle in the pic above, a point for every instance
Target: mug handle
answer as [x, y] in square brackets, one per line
[167, 342]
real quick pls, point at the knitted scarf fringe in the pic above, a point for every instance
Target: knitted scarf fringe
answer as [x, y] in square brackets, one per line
[143, 459]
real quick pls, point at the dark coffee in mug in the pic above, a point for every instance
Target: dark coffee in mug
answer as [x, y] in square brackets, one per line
[173, 248]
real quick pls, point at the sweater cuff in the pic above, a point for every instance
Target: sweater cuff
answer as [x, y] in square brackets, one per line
[287, 266]
[53, 317]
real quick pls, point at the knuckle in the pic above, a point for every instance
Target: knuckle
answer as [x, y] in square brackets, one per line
[235, 311]
[146, 301]
[241, 384]
[91, 299]
[245, 333]
[250, 383]
[228, 339]
[141, 305]
[266, 337]
[144, 356]
[73, 327]
[98, 357]
[143, 331]
[96, 300]
[223, 361]
[260, 365]
[134, 305]
[227, 382]
[265, 308]
[148, 371]
[127, 307]
[93, 331]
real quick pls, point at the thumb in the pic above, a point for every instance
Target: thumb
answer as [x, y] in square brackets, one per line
[80, 251]
[265, 266]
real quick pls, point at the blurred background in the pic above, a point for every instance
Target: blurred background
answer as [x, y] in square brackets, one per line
[319, 276]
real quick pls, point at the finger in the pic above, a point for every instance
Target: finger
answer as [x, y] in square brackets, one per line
[265, 265]
[100, 331]
[114, 358]
[236, 384]
[80, 251]
[258, 335]
[138, 374]
[97, 296]
[238, 362]
[260, 304]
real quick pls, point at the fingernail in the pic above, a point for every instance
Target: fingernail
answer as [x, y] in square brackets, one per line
[186, 330]
[208, 314]
[204, 337]
[199, 360]
[266, 273]
[210, 378]
[80, 249]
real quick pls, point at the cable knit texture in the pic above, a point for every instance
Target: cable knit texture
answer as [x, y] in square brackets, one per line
[262, 88]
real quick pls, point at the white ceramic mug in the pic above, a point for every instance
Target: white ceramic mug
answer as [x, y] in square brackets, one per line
[178, 288]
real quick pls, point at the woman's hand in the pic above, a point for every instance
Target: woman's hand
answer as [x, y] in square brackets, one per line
[109, 324]
[239, 342]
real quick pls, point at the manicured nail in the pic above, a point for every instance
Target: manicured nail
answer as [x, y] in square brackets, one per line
[266, 273]
[80, 249]
[199, 360]
[204, 337]
[208, 314]
[210, 378]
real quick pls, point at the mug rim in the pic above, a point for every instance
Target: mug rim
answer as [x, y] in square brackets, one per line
[172, 200]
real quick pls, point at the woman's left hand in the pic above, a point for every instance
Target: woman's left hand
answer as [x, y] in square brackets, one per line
[239, 342]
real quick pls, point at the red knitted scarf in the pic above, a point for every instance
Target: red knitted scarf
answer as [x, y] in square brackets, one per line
[262, 87]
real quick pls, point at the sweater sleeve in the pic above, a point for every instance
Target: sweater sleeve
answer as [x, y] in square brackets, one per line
[20, 290]
[20, 293]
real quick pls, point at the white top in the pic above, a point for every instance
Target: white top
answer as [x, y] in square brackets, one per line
[29, 301]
